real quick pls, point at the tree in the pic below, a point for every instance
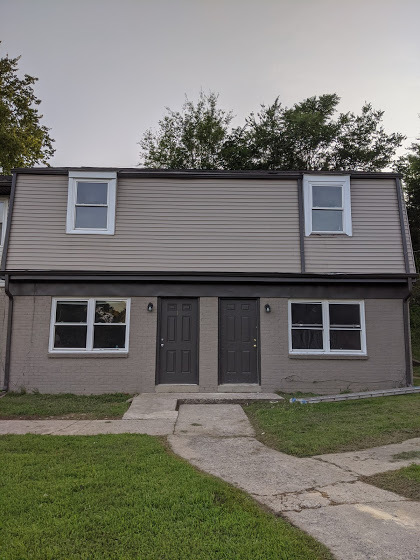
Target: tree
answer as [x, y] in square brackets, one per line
[409, 166]
[23, 140]
[188, 139]
[308, 136]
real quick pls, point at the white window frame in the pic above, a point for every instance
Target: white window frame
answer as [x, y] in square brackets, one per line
[5, 200]
[343, 181]
[326, 350]
[109, 177]
[90, 323]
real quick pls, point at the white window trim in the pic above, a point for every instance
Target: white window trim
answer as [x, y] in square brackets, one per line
[5, 200]
[90, 327]
[326, 328]
[342, 181]
[91, 177]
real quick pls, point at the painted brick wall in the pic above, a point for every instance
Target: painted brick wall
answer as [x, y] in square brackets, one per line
[208, 335]
[33, 369]
[384, 368]
[4, 306]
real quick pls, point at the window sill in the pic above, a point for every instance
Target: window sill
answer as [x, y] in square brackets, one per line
[328, 356]
[332, 234]
[90, 232]
[87, 354]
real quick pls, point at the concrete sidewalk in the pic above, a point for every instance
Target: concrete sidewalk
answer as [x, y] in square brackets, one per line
[322, 495]
[152, 427]
[357, 521]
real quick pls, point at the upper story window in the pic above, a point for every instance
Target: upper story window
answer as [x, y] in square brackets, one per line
[4, 202]
[91, 202]
[327, 204]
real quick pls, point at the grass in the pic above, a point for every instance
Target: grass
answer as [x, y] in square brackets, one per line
[405, 482]
[405, 455]
[416, 375]
[313, 429]
[35, 405]
[124, 497]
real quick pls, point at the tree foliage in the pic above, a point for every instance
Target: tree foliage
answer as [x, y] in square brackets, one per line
[310, 135]
[24, 141]
[409, 166]
[192, 138]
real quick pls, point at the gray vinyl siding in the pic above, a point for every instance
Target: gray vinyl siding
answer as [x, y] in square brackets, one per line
[376, 243]
[164, 225]
[209, 225]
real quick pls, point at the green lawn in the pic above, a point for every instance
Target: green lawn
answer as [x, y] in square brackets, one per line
[126, 497]
[405, 482]
[313, 429]
[35, 405]
[416, 375]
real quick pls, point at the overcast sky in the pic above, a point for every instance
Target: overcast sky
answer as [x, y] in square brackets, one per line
[107, 68]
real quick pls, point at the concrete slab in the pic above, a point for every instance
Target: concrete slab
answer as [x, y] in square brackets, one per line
[145, 408]
[250, 465]
[156, 427]
[228, 398]
[213, 420]
[333, 494]
[374, 460]
[377, 531]
[295, 501]
[149, 406]
[43, 427]
[357, 492]
[159, 427]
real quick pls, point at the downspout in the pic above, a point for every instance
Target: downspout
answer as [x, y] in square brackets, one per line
[6, 286]
[407, 335]
[406, 307]
[301, 225]
[9, 335]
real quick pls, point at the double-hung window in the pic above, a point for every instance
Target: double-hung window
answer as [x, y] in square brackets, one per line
[89, 325]
[327, 204]
[91, 202]
[327, 327]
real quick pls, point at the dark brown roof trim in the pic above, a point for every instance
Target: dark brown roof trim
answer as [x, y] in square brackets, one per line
[206, 174]
[233, 277]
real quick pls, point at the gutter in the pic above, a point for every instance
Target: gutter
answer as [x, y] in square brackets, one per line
[407, 336]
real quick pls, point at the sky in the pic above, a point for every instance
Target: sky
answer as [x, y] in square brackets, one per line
[108, 68]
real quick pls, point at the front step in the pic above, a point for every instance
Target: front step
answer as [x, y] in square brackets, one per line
[356, 396]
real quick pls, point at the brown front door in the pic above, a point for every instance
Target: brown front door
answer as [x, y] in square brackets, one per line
[178, 341]
[238, 341]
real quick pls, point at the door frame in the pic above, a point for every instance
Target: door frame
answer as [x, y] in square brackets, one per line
[219, 338]
[158, 325]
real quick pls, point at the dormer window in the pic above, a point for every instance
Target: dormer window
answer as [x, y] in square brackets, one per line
[327, 204]
[91, 202]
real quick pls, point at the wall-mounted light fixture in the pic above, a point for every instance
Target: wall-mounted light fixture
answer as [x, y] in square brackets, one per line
[150, 306]
[267, 308]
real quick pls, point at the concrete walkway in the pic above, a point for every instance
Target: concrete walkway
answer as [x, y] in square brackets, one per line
[154, 414]
[321, 495]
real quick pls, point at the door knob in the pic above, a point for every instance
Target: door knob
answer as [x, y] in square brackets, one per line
[162, 345]
[255, 345]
